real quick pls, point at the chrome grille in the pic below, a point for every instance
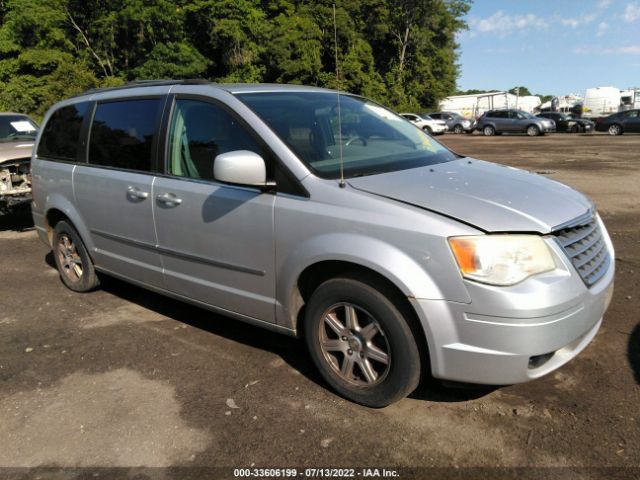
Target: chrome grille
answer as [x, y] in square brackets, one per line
[587, 250]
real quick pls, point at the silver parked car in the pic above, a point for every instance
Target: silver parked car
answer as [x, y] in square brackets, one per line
[513, 121]
[342, 223]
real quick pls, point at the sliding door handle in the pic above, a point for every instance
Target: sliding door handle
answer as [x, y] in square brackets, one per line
[136, 193]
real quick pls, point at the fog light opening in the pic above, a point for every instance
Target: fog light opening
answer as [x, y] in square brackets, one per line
[538, 360]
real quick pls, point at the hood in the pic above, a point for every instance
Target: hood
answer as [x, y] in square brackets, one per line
[14, 150]
[491, 197]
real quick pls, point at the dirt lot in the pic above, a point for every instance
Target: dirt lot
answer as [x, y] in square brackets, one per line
[125, 378]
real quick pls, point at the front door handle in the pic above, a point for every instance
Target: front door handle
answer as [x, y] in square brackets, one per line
[136, 193]
[169, 199]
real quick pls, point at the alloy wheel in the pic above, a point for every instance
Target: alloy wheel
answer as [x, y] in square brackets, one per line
[69, 259]
[354, 345]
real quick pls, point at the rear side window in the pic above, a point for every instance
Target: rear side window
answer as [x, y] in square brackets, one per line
[61, 135]
[122, 134]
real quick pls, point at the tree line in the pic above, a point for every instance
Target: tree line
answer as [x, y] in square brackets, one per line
[401, 53]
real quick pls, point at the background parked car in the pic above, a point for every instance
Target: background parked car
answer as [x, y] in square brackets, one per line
[456, 123]
[17, 136]
[619, 123]
[426, 123]
[566, 123]
[513, 121]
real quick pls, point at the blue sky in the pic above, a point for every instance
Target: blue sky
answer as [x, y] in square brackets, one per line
[552, 47]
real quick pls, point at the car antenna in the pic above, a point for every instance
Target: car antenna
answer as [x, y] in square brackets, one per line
[335, 44]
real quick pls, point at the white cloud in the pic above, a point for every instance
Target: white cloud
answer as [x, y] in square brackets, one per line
[631, 50]
[579, 21]
[627, 50]
[602, 4]
[503, 24]
[602, 29]
[631, 12]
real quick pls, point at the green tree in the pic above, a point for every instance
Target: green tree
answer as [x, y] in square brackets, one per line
[402, 53]
[521, 91]
[38, 61]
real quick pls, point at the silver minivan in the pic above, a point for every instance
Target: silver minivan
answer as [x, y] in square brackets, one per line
[324, 215]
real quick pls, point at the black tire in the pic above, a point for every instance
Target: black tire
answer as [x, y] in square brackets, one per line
[575, 129]
[488, 131]
[397, 378]
[533, 131]
[458, 129]
[615, 129]
[66, 259]
[428, 130]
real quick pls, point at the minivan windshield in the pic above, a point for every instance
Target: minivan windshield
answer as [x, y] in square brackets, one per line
[370, 138]
[17, 127]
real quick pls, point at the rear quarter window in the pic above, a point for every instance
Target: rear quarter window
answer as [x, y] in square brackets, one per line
[60, 137]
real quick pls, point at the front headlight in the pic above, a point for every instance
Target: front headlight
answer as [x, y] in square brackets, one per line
[501, 259]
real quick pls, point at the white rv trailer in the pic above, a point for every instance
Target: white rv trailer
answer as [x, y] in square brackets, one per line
[601, 102]
[604, 101]
[528, 103]
[473, 105]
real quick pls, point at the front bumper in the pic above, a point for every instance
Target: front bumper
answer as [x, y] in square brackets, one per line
[510, 335]
[548, 129]
[9, 203]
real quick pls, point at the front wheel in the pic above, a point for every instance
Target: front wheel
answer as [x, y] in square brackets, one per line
[428, 130]
[458, 129]
[488, 131]
[72, 259]
[361, 343]
[615, 129]
[533, 131]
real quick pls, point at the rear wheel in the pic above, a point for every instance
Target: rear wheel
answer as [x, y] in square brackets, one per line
[458, 129]
[488, 131]
[72, 259]
[360, 342]
[428, 130]
[615, 129]
[533, 131]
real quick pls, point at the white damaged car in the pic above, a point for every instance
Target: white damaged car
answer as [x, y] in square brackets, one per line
[17, 136]
[426, 123]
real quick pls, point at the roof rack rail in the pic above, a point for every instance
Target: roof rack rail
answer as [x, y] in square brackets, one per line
[147, 83]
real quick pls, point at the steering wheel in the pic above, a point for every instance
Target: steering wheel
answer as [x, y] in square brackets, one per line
[356, 139]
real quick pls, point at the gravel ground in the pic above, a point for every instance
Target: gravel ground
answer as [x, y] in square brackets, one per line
[94, 384]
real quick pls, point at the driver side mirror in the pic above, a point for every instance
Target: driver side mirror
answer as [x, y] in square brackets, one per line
[241, 167]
